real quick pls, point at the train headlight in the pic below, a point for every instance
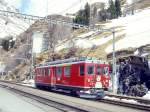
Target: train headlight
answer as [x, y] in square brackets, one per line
[58, 78]
[98, 78]
[88, 80]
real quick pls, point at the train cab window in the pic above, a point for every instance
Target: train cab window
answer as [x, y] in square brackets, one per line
[98, 70]
[67, 71]
[90, 70]
[81, 70]
[58, 71]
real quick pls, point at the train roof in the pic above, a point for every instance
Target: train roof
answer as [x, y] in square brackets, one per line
[74, 60]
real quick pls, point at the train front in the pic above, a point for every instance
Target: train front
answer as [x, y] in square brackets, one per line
[97, 79]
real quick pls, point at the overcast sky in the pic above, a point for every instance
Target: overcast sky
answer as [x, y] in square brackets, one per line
[44, 7]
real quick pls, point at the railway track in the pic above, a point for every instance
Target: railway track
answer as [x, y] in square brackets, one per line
[138, 99]
[126, 104]
[144, 106]
[59, 106]
[56, 105]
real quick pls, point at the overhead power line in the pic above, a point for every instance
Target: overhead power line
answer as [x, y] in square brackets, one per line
[49, 20]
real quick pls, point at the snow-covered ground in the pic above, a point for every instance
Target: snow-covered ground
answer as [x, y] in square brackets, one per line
[30, 83]
[147, 96]
[85, 40]
[117, 99]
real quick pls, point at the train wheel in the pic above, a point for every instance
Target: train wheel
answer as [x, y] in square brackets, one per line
[74, 93]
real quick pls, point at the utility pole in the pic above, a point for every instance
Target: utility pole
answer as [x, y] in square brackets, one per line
[114, 63]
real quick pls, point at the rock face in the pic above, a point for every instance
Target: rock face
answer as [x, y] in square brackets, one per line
[134, 76]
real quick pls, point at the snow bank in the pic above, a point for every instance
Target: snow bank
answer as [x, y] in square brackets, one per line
[129, 101]
[86, 34]
[124, 100]
[147, 96]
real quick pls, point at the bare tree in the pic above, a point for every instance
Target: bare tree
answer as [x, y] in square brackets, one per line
[57, 32]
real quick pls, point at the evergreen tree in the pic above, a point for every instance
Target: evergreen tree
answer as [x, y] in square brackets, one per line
[87, 13]
[118, 8]
[5, 44]
[83, 15]
[112, 9]
[95, 12]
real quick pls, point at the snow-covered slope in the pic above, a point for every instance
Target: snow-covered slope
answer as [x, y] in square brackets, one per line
[11, 25]
[137, 30]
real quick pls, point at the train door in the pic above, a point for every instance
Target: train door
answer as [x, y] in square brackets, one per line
[99, 76]
[106, 77]
[58, 74]
[90, 74]
[52, 76]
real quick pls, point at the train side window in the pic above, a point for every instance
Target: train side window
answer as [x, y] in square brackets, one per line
[81, 70]
[49, 72]
[90, 70]
[98, 70]
[67, 71]
[58, 71]
[43, 72]
[39, 71]
[46, 72]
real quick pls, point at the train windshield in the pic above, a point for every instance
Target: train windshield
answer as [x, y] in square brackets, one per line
[102, 70]
[99, 70]
[90, 70]
[106, 70]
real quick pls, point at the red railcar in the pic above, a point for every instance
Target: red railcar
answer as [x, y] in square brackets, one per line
[84, 76]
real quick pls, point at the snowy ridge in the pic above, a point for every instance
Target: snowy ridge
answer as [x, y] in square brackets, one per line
[11, 26]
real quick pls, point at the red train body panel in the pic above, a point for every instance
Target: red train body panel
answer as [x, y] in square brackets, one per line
[73, 74]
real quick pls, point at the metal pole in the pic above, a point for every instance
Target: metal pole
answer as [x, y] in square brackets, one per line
[114, 63]
[47, 7]
[31, 67]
